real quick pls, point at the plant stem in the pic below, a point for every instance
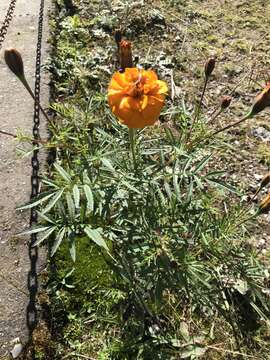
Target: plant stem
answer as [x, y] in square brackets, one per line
[132, 145]
[8, 134]
[208, 137]
[231, 125]
[27, 87]
[202, 96]
[198, 110]
[215, 115]
[35, 141]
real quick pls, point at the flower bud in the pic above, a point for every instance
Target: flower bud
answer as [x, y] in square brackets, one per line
[225, 102]
[264, 205]
[125, 55]
[261, 101]
[14, 61]
[265, 180]
[118, 36]
[209, 66]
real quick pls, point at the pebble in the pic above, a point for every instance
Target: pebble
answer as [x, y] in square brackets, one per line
[17, 349]
[261, 133]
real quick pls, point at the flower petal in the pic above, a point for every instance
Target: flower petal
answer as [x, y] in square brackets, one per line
[131, 74]
[151, 113]
[150, 75]
[144, 102]
[119, 79]
[163, 88]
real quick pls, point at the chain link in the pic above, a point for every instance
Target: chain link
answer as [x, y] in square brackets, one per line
[31, 312]
[7, 21]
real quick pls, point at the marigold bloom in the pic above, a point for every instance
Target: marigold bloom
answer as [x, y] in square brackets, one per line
[136, 97]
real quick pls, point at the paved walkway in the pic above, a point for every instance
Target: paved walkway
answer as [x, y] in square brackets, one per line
[16, 112]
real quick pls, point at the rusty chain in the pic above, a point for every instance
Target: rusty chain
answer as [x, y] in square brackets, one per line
[31, 313]
[7, 21]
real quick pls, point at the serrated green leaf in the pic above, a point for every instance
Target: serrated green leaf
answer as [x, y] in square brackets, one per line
[198, 182]
[72, 247]
[35, 230]
[190, 191]
[215, 173]
[58, 240]
[70, 205]
[46, 218]
[62, 172]
[95, 235]
[53, 201]
[50, 183]
[168, 190]
[36, 201]
[223, 185]
[45, 236]
[131, 187]
[89, 197]
[76, 195]
[176, 186]
[107, 164]
[161, 197]
[202, 164]
[86, 179]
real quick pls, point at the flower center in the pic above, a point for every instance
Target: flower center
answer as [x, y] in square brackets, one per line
[136, 90]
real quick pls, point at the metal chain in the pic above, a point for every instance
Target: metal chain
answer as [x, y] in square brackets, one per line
[7, 21]
[31, 312]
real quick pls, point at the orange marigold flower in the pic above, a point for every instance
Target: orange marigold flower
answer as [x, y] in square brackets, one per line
[136, 97]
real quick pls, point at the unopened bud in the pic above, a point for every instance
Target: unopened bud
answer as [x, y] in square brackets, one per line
[14, 61]
[118, 36]
[125, 55]
[209, 66]
[265, 181]
[261, 101]
[225, 102]
[264, 206]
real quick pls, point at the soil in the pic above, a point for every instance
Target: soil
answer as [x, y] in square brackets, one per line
[15, 171]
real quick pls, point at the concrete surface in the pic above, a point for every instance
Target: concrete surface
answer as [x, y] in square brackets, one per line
[15, 172]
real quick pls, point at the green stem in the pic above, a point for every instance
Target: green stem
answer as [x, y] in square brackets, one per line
[132, 145]
[211, 135]
[202, 96]
[198, 110]
[249, 115]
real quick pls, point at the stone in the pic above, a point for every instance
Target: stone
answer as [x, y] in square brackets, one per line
[16, 351]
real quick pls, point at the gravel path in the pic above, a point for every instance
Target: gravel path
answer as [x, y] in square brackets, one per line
[16, 112]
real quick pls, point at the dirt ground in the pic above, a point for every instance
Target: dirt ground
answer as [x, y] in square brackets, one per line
[16, 113]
